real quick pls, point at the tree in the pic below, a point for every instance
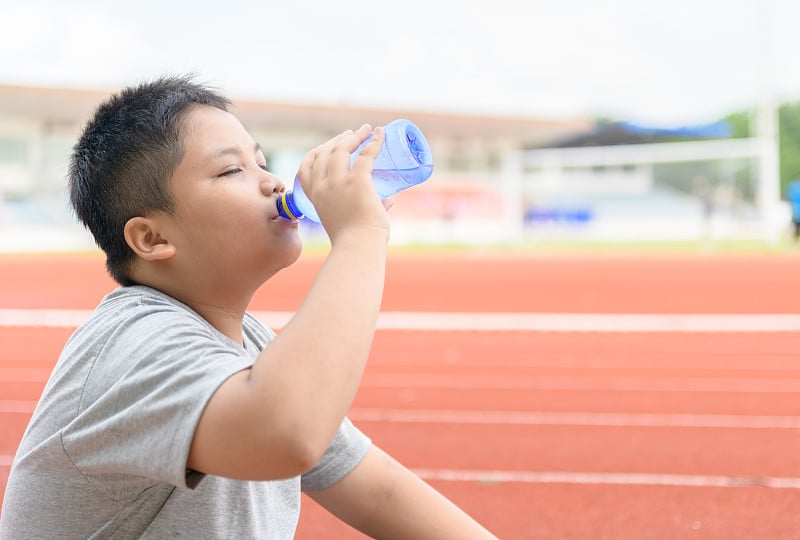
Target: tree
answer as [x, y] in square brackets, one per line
[789, 138]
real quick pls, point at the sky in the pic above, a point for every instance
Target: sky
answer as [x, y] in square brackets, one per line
[666, 63]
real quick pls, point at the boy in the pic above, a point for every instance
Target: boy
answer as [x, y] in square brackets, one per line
[167, 413]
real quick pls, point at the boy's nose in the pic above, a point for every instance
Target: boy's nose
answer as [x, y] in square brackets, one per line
[270, 184]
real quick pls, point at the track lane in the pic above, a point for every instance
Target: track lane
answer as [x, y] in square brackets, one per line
[493, 282]
[730, 374]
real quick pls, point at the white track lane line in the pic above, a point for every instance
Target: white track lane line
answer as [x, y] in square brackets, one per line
[585, 478]
[580, 383]
[16, 406]
[24, 374]
[532, 418]
[628, 479]
[731, 421]
[566, 383]
[486, 322]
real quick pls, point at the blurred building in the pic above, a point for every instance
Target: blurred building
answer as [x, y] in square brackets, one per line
[38, 127]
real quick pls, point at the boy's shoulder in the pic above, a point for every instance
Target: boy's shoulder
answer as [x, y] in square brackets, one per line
[137, 296]
[145, 307]
[134, 309]
[139, 305]
[138, 337]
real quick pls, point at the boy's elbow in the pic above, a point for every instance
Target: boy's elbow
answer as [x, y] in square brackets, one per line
[304, 457]
[249, 433]
[265, 460]
[302, 447]
[256, 449]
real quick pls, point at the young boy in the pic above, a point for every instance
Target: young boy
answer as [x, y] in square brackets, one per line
[171, 411]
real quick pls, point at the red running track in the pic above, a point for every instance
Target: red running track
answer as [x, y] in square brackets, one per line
[596, 434]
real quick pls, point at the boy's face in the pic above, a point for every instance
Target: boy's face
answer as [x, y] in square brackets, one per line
[225, 226]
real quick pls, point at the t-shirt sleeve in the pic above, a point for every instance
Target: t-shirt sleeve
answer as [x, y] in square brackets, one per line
[348, 448]
[144, 396]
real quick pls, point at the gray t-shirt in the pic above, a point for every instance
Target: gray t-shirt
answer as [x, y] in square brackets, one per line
[104, 455]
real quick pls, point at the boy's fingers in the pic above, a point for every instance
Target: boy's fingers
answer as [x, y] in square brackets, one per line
[338, 149]
[361, 134]
[366, 159]
[349, 139]
[306, 166]
[319, 166]
[333, 157]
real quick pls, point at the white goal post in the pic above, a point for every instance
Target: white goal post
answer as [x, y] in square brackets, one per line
[551, 166]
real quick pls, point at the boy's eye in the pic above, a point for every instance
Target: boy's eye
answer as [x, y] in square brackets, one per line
[264, 166]
[231, 172]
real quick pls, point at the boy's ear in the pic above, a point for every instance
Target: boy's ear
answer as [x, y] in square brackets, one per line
[145, 239]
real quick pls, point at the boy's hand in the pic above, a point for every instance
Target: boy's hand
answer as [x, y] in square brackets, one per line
[344, 197]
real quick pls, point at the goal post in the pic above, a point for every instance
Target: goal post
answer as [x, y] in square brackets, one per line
[675, 190]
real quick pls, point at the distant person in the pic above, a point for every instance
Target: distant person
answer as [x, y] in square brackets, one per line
[171, 411]
[703, 190]
[794, 201]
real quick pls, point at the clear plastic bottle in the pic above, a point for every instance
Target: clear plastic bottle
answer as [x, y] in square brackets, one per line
[405, 160]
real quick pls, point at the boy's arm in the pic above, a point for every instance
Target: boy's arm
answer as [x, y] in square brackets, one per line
[276, 419]
[383, 499]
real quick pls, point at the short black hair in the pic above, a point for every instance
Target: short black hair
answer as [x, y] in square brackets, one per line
[123, 161]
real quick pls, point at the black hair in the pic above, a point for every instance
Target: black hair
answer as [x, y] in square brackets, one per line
[123, 161]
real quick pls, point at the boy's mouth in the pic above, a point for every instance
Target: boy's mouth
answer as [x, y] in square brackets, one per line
[282, 219]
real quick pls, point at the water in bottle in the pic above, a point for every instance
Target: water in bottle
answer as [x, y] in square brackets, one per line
[405, 160]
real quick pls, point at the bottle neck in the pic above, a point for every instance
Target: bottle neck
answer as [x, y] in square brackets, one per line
[287, 208]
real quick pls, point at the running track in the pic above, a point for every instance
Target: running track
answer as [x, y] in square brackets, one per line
[551, 397]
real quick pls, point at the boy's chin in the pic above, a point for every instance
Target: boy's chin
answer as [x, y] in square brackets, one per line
[293, 252]
[298, 252]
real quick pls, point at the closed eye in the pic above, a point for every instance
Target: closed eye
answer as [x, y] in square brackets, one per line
[231, 172]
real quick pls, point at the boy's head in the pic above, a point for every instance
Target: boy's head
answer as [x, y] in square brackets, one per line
[122, 164]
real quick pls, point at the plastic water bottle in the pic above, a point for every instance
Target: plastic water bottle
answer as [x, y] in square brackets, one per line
[404, 160]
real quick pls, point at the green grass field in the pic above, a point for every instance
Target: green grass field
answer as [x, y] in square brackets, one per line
[783, 247]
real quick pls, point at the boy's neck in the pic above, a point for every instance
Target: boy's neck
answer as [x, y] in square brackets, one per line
[223, 313]
[222, 309]
[228, 322]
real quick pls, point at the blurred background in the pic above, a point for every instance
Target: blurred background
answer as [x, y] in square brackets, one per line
[578, 122]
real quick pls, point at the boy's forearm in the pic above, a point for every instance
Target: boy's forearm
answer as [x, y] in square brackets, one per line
[383, 499]
[316, 362]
